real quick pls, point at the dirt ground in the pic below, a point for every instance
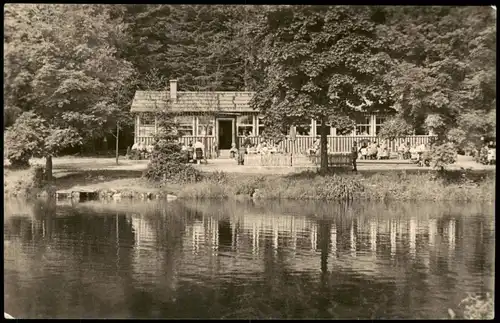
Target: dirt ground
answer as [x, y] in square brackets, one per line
[68, 165]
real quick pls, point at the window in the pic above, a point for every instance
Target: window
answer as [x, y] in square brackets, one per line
[185, 125]
[318, 129]
[379, 121]
[303, 130]
[261, 125]
[146, 125]
[146, 131]
[206, 126]
[363, 126]
[245, 125]
[147, 119]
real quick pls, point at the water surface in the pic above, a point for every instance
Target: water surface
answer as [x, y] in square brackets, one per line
[244, 260]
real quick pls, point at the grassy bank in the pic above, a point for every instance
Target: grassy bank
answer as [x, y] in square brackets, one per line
[394, 185]
[451, 186]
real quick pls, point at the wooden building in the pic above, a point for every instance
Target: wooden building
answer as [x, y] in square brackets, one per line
[224, 118]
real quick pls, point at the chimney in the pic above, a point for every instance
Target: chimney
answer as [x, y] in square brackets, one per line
[173, 89]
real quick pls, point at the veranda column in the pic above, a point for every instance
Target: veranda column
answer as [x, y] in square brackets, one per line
[138, 126]
[373, 125]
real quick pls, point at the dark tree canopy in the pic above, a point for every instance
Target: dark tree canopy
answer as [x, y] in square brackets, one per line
[78, 66]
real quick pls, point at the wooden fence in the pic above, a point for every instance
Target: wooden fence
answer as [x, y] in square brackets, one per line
[186, 140]
[302, 144]
[334, 160]
[277, 160]
[336, 144]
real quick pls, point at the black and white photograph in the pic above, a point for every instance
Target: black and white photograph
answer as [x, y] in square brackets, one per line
[242, 161]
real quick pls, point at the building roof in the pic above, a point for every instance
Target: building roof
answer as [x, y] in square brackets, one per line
[148, 101]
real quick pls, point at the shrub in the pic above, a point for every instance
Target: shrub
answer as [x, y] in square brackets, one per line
[443, 155]
[167, 164]
[476, 307]
[24, 139]
[32, 136]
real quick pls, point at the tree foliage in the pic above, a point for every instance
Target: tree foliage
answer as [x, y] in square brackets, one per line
[32, 136]
[78, 66]
[319, 62]
[61, 62]
[394, 128]
[191, 43]
[444, 67]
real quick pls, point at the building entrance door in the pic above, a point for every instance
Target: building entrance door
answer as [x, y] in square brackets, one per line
[225, 134]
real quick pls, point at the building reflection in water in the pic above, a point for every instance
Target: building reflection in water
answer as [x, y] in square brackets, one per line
[392, 232]
[352, 240]
[373, 235]
[148, 256]
[333, 240]
[248, 234]
[432, 232]
[412, 228]
[303, 237]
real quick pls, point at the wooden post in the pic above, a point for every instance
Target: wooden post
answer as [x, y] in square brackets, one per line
[117, 136]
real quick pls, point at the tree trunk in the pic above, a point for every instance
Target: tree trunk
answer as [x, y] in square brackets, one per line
[323, 148]
[117, 136]
[48, 168]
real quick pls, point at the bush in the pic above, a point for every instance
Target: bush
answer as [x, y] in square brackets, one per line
[443, 155]
[476, 307]
[25, 139]
[167, 164]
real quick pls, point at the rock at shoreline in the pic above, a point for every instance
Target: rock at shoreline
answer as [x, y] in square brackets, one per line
[256, 194]
[117, 196]
[171, 197]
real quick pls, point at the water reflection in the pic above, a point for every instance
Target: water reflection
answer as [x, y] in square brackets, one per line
[244, 260]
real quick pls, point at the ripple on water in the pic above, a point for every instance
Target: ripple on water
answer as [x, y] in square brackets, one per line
[359, 261]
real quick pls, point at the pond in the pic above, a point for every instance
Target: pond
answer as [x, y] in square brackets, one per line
[202, 259]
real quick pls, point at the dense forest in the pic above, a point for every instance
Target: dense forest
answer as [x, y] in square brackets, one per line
[73, 69]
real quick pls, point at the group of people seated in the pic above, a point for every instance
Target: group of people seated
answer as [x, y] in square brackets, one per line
[249, 148]
[487, 153]
[193, 153]
[374, 150]
[140, 151]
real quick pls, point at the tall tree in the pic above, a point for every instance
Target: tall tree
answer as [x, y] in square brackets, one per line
[444, 74]
[61, 64]
[191, 43]
[319, 62]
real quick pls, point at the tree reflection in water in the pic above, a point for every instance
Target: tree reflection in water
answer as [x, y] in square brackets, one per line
[272, 260]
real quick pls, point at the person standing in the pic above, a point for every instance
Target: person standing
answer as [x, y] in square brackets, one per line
[363, 151]
[246, 141]
[401, 150]
[354, 156]
[407, 153]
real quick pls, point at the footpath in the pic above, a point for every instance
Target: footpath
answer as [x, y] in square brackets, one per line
[68, 165]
